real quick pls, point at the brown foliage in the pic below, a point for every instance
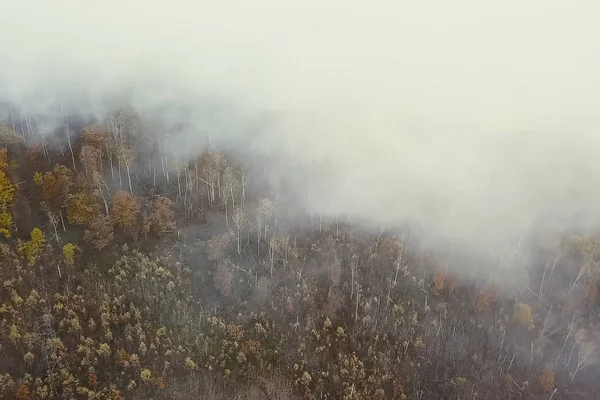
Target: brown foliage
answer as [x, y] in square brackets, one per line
[125, 209]
[22, 392]
[81, 209]
[35, 155]
[163, 218]
[547, 378]
[55, 184]
[92, 379]
[439, 279]
[91, 158]
[99, 232]
[96, 136]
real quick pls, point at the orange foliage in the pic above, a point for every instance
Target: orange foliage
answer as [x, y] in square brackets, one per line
[485, 299]
[163, 218]
[125, 209]
[22, 392]
[547, 378]
[438, 283]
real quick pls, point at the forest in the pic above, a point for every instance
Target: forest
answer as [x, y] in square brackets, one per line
[130, 273]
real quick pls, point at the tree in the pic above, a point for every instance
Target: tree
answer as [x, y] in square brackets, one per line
[69, 250]
[263, 213]
[37, 178]
[126, 157]
[99, 231]
[81, 208]
[125, 209]
[56, 184]
[91, 158]
[238, 219]
[7, 190]
[3, 159]
[33, 248]
[524, 315]
[6, 223]
[163, 218]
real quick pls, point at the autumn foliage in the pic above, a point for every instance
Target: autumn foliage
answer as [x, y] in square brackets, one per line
[125, 210]
[129, 272]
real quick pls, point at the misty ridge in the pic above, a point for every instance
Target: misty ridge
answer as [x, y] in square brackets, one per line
[411, 187]
[463, 118]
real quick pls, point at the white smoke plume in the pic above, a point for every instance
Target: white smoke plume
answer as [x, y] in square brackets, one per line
[473, 117]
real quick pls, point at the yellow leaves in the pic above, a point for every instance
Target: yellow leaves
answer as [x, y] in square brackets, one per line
[7, 190]
[7, 196]
[524, 315]
[33, 248]
[145, 375]
[6, 223]
[69, 250]
[190, 364]
[459, 380]
[14, 334]
[38, 178]
[37, 237]
[3, 159]
[104, 350]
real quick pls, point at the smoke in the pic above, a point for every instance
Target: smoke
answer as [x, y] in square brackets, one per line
[471, 117]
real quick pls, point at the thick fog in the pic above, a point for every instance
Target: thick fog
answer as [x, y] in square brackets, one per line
[473, 117]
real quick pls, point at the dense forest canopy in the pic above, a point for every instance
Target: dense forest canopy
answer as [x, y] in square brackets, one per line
[129, 272]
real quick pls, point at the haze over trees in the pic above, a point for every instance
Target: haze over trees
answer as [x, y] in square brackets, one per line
[150, 276]
[318, 200]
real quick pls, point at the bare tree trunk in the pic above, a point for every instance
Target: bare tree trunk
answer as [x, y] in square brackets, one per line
[120, 177]
[62, 221]
[112, 169]
[103, 198]
[68, 137]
